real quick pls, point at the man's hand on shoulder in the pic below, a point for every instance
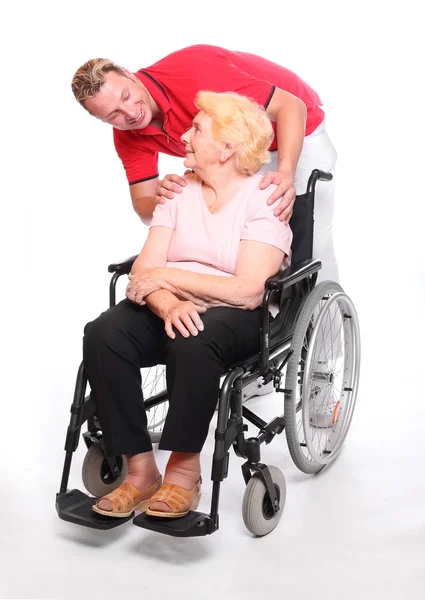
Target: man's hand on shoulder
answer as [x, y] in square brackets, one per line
[285, 191]
[168, 187]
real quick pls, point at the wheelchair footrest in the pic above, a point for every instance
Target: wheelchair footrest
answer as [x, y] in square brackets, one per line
[75, 506]
[193, 524]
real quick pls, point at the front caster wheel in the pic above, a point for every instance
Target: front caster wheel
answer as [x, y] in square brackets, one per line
[96, 474]
[257, 511]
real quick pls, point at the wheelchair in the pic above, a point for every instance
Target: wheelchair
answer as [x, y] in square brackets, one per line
[310, 352]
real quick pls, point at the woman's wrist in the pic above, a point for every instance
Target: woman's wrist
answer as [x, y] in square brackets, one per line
[160, 302]
[163, 276]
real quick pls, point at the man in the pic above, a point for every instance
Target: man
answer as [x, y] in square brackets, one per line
[150, 110]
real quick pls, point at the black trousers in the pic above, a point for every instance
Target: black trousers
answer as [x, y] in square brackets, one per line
[127, 337]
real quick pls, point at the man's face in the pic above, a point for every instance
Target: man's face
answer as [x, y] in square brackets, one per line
[203, 150]
[122, 102]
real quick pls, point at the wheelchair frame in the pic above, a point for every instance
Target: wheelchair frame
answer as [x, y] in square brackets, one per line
[294, 284]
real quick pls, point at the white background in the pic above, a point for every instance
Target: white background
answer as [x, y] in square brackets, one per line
[66, 213]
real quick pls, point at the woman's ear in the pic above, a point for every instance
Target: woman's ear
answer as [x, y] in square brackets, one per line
[227, 151]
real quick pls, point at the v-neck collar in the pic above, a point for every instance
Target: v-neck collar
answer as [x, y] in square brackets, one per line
[236, 196]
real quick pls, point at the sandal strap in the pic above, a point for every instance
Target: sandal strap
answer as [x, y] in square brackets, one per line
[176, 498]
[126, 496]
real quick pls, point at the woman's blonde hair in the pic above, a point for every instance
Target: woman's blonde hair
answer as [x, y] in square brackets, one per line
[238, 120]
[90, 77]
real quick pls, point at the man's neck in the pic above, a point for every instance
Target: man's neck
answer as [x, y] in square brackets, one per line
[158, 122]
[157, 114]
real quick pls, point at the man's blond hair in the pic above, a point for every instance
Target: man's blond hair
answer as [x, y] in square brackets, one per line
[90, 77]
[239, 120]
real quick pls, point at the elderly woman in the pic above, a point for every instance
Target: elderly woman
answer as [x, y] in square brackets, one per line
[193, 304]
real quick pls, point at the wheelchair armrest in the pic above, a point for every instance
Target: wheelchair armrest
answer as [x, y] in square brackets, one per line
[123, 267]
[292, 274]
[283, 279]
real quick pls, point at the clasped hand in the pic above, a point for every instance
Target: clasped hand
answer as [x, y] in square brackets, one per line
[183, 315]
[143, 283]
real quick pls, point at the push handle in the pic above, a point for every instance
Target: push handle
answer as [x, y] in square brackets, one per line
[317, 174]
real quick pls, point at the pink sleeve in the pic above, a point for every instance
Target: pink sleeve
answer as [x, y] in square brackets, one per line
[164, 215]
[262, 226]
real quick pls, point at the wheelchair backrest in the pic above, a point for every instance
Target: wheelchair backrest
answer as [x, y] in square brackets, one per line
[301, 223]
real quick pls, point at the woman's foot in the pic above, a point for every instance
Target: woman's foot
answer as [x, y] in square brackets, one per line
[142, 475]
[126, 499]
[182, 486]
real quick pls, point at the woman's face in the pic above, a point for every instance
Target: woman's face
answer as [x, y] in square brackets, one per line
[203, 151]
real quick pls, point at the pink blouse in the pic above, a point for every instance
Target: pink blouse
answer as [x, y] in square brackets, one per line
[208, 243]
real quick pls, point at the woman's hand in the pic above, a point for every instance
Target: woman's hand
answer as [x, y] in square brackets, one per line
[285, 190]
[143, 283]
[168, 187]
[184, 316]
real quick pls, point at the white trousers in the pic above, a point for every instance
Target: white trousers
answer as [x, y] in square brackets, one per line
[317, 153]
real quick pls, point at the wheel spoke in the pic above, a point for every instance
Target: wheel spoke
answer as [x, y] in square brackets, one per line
[153, 383]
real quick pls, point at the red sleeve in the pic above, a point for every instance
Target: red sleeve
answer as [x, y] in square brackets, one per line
[139, 164]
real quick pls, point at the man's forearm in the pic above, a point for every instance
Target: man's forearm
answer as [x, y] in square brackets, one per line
[214, 290]
[144, 207]
[290, 128]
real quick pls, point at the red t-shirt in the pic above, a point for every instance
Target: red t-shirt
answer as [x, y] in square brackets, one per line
[174, 83]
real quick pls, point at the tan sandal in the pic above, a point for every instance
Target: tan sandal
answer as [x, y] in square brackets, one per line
[179, 500]
[127, 498]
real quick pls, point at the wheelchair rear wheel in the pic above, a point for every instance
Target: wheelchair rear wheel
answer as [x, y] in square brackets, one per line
[322, 375]
[257, 511]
